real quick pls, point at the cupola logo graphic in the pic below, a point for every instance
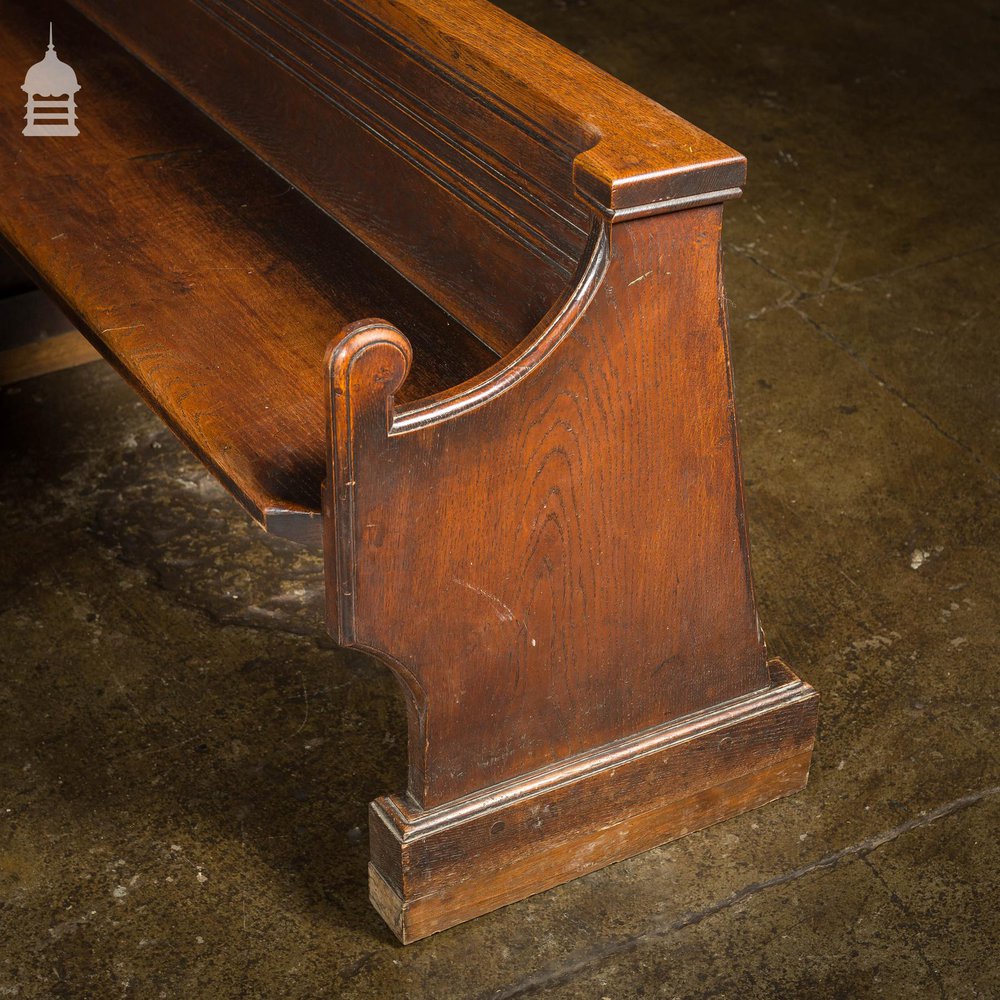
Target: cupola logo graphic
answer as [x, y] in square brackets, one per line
[51, 87]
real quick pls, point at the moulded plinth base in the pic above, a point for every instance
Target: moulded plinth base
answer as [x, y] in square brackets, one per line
[431, 869]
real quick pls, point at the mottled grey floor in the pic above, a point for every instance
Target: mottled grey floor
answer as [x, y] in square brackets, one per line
[186, 764]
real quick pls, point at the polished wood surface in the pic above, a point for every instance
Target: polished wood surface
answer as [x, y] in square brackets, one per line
[527, 460]
[595, 572]
[466, 149]
[553, 559]
[208, 280]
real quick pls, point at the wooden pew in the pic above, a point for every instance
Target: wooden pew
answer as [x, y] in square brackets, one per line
[524, 472]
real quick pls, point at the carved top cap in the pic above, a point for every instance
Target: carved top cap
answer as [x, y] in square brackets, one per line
[631, 153]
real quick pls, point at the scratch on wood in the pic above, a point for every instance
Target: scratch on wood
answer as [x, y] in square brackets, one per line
[119, 329]
[504, 613]
[642, 277]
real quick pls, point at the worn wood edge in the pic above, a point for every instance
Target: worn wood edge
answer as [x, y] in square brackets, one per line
[305, 527]
[628, 197]
[785, 691]
[417, 918]
[387, 903]
[642, 211]
[417, 898]
[53, 354]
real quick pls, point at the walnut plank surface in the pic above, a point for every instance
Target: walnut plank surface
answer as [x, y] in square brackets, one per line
[205, 277]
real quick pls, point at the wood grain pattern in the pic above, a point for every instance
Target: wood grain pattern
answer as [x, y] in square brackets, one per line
[377, 137]
[527, 464]
[583, 527]
[434, 868]
[464, 895]
[460, 145]
[553, 559]
[210, 282]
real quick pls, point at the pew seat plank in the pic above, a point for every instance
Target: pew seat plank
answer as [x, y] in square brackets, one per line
[207, 279]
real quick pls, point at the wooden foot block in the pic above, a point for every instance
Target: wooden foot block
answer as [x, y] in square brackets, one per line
[434, 868]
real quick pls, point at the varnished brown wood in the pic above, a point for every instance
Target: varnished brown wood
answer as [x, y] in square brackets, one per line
[532, 508]
[209, 281]
[583, 582]
[466, 149]
[586, 544]
[434, 868]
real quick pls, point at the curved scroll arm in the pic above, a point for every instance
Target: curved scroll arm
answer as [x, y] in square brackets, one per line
[366, 365]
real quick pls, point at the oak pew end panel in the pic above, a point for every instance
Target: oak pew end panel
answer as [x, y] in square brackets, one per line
[526, 474]
[554, 561]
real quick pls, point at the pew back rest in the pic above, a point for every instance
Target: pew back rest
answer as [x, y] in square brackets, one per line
[470, 152]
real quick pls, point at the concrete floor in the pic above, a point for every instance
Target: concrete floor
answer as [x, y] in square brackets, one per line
[186, 764]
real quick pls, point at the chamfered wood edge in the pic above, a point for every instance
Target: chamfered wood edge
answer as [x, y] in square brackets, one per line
[632, 153]
[433, 869]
